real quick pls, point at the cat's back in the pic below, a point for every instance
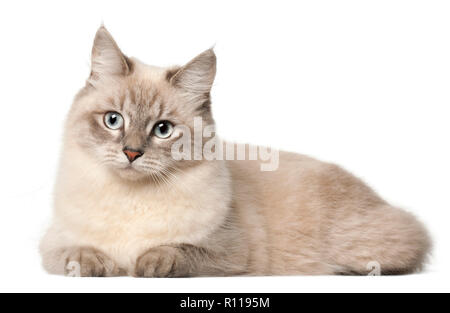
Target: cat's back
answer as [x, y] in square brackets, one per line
[294, 174]
[297, 178]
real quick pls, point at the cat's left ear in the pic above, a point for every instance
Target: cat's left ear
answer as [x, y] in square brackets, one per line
[107, 59]
[196, 77]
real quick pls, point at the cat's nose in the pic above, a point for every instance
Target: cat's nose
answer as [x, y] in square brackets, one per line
[132, 154]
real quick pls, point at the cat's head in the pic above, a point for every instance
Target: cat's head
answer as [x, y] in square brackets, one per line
[130, 114]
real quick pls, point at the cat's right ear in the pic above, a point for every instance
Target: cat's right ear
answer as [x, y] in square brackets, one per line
[107, 59]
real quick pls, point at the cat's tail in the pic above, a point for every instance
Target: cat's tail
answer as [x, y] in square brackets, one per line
[385, 241]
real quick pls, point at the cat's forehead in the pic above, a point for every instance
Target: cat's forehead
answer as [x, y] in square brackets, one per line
[143, 100]
[136, 95]
[144, 93]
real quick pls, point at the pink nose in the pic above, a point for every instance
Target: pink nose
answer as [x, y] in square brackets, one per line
[132, 155]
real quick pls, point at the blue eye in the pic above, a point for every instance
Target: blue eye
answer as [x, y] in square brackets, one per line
[113, 120]
[163, 129]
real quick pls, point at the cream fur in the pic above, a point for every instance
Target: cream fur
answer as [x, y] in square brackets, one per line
[216, 217]
[124, 219]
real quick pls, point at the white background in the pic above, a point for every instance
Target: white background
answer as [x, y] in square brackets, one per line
[361, 83]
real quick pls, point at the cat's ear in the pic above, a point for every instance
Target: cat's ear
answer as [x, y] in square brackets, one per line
[196, 77]
[107, 59]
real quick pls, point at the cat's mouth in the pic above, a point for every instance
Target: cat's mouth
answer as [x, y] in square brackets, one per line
[134, 171]
[131, 172]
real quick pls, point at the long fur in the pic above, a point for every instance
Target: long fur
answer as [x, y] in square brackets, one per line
[201, 218]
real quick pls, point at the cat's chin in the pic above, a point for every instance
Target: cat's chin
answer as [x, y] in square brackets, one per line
[132, 174]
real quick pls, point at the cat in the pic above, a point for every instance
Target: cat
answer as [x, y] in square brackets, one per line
[124, 206]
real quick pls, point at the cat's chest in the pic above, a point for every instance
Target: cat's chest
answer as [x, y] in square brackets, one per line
[125, 223]
[124, 219]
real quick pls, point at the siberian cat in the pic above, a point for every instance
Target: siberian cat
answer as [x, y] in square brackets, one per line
[125, 206]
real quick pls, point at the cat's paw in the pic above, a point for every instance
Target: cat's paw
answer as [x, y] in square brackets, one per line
[164, 261]
[89, 262]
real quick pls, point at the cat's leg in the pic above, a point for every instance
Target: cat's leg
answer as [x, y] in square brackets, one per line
[182, 261]
[80, 262]
[60, 256]
[225, 252]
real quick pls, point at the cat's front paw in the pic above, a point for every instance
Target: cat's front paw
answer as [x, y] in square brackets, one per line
[89, 262]
[164, 261]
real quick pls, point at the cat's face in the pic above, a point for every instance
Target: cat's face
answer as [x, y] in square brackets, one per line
[129, 114]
